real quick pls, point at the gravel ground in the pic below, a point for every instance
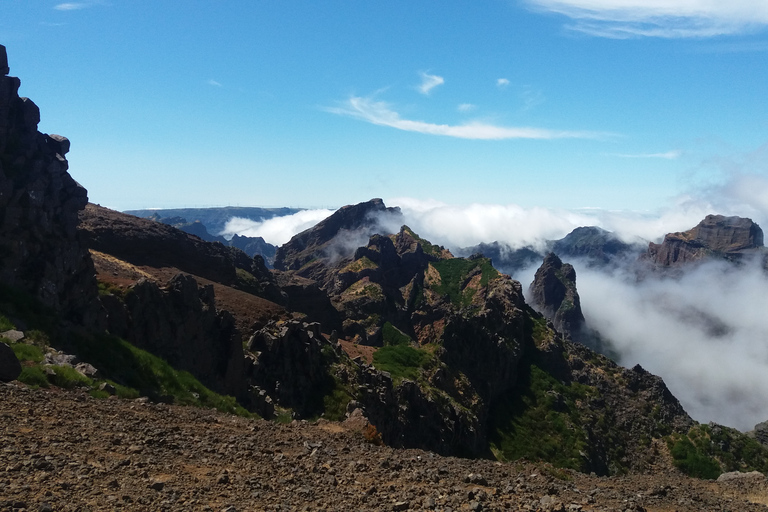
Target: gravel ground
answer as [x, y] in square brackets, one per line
[65, 451]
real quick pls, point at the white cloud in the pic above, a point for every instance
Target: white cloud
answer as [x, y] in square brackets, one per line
[669, 155]
[518, 226]
[704, 333]
[277, 230]
[380, 113]
[659, 18]
[429, 82]
[466, 107]
[502, 83]
[71, 6]
[213, 83]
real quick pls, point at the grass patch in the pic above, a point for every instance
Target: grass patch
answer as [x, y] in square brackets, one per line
[26, 352]
[34, 376]
[335, 403]
[360, 264]
[401, 361]
[68, 378]
[541, 422]
[394, 336]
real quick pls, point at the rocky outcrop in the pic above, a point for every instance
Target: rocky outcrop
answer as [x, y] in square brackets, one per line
[40, 250]
[553, 293]
[291, 362]
[181, 324]
[715, 237]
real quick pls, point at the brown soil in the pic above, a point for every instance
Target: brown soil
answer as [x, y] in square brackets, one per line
[66, 451]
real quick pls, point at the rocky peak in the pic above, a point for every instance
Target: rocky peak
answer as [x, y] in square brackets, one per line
[593, 243]
[337, 236]
[716, 236]
[553, 293]
[39, 201]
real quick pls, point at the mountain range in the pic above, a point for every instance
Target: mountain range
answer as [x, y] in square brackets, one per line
[357, 323]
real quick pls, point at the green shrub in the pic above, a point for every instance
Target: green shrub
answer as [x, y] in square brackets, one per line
[692, 461]
[335, 404]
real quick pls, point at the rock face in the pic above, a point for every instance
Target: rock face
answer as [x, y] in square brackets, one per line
[554, 294]
[180, 323]
[39, 201]
[716, 236]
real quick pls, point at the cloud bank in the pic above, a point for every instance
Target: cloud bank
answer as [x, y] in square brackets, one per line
[277, 230]
[704, 334]
[380, 113]
[659, 18]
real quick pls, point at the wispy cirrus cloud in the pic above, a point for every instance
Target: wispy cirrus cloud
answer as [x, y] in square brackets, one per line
[381, 113]
[466, 107]
[502, 83]
[71, 6]
[622, 19]
[668, 155]
[213, 83]
[429, 82]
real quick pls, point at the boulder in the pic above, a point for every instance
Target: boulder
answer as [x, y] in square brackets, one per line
[10, 367]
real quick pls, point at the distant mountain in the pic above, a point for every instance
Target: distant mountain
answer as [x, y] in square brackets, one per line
[214, 219]
[249, 245]
[592, 244]
[715, 237]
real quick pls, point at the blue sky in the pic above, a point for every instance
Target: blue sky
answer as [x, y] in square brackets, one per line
[611, 104]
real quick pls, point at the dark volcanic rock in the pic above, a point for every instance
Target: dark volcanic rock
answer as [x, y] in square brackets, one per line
[553, 292]
[40, 248]
[10, 368]
[716, 236]
[181, 324]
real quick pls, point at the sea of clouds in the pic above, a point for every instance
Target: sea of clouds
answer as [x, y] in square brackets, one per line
[705, 332]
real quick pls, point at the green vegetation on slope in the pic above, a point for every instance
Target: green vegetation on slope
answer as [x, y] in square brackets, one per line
[541, 421]
[708, 450]
[401, 361]
[427, 246]
[454, 273]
